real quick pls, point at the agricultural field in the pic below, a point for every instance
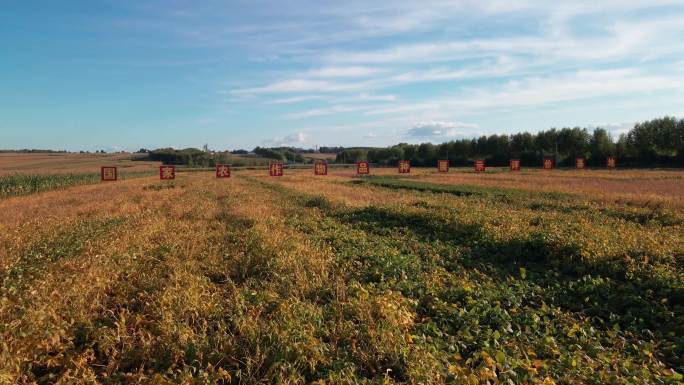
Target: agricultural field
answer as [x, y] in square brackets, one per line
[537, 277]
[70, 163]
[22, 174]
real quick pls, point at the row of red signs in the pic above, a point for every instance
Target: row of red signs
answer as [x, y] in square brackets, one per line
[362, 168]
[549, 164]
[514, 165]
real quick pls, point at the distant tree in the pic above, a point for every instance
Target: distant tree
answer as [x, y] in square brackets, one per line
[351, 156]
[546, 142]
[269, 153]
[623, 148]
[426, 154]
[600, 146]
[334, 150]
[642, 139]
[188, 156]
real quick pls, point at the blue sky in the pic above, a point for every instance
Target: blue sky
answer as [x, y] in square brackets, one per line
[236, 74]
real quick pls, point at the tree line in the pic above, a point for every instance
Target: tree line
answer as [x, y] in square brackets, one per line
[283, 154]
[195, 157]
[657, 142]
[188, 156]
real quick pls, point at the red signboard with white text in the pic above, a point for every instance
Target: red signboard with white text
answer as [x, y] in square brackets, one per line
[108, 174]
[479, 165]
[222, 171]
[321, 168]
[362, 168]
[167, 172]
[275, 169]
[443, 165]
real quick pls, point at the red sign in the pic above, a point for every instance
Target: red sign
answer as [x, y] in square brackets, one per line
[108, 174]
[362, 168]
[222, 171]
[610, 162]
[275, 169]
[320, 168]
[515, 164]
[479, 165]
[580, 163]
[443, 165]
[404, 167]
[167, 172]
[548, 163]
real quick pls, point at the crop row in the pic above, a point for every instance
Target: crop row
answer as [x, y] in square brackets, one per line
[24, 184]
[540, 289]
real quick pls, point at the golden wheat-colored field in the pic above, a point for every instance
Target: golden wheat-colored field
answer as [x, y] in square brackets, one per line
[59, 163]
[534, 278]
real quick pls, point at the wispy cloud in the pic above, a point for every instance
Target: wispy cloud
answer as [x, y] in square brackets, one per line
[343, 72]
[325, 111]
[296, 99]
[368, 97]
[540, 91]
[614, 41]
[383, 66]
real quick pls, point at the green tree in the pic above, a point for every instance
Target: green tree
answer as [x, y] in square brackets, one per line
[600, 146]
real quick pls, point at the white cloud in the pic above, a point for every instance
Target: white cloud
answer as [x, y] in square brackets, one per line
[539, 54]
[301, 85]
[385, 98]
[325, 111]
[298, 137]
[615, 129]
[370, 135]
[296, 99]
[295, 138]
[580, 85]
[286, 86]
[438, 129]
[343, 72]
[616, 40]
[459, 63]
[500, 66]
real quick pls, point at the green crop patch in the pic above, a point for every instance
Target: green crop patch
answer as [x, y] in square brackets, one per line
[25, 184]
[496, 287]
[397, 183]
[538, 201]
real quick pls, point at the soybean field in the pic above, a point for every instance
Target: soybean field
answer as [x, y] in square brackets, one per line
[536, 277]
